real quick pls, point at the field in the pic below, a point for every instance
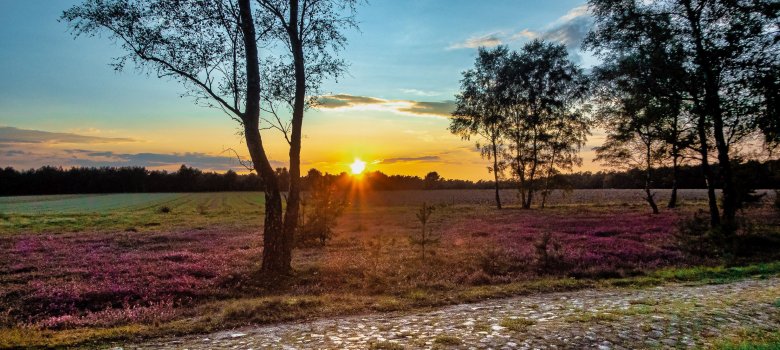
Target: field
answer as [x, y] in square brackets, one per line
[75, 269]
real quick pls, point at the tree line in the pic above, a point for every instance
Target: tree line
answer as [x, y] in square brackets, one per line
[56, 180]
[681, 82]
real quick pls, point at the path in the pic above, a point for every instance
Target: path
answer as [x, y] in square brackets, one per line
[673, 316]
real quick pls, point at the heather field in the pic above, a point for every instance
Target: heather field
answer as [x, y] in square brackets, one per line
[94, 268]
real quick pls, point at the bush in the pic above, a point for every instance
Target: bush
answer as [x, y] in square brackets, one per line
[549, 255]
[697, 238]
[164, 209]
[319, 212]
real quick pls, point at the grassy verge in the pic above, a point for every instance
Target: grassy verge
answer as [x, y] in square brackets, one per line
[281, 308]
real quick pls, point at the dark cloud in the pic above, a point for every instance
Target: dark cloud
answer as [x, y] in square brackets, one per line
[88, 158]
[570, 33]
[194, 159]
[343, 100]
[15, 135]
[444, 108]
[411, 159]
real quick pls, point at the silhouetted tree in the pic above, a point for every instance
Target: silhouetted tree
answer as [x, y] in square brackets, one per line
[211, 47]
[432, 180]
[542, 90]
[479, 108]
[729, 48]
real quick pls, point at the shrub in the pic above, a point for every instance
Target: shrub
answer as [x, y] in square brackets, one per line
[326, 206]
[495, 261]
[164, 209]
[697, 238]
[549, 255]
[425, 238]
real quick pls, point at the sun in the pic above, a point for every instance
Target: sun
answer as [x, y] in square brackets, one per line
[357, 166]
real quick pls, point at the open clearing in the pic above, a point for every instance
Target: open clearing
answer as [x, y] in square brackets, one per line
[84, 270]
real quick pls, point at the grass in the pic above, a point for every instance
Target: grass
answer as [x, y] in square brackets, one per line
[117, 273]
[516, 324]
[751, 340]
[447, 340]
[128, 212]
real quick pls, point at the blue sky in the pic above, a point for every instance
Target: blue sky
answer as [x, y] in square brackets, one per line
[405, 53]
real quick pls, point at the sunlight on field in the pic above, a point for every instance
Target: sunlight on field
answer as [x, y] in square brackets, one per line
[129, 211]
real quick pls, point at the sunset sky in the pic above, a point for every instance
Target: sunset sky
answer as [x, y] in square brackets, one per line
[61, 103]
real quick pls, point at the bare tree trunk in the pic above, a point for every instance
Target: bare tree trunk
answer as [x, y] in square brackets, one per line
[675, 164]
[275, 253]
[709, 176]
[649, 196]
[675, 172]
[495, 172]
[294, 197]
[713, 109]
[529, 198]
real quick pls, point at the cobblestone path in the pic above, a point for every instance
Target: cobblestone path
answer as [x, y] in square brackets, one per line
[671, 316]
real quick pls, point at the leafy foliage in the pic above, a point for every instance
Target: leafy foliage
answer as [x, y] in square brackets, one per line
[320, 211]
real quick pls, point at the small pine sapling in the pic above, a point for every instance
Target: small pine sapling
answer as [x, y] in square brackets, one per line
[426, 237]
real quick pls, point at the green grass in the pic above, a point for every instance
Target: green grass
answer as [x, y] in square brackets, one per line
[447, 340]
[517, 324]
[752, 340]
[128, 211]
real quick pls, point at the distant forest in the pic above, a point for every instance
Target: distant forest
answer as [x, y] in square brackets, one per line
[56, 180]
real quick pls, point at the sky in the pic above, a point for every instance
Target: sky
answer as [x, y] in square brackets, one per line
[62, 104]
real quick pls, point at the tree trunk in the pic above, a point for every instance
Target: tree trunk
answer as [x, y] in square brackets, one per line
[675, 173]
[292, 210]
[530, 196]
[495, 173]
[709, 177]
[276, 256]
[712, 108]
[649, 196]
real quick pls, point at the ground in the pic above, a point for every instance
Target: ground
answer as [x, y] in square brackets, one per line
[671, 316]
[89, 269]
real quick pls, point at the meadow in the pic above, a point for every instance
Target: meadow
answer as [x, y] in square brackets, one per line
[94, 268]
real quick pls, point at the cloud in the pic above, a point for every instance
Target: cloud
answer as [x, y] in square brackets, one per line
[15, 135]
[486, 40]
[410, 159]
[194, 159]
[569, 29]
[88, 158]
[343, 100]
[421, 92]
[406, 107]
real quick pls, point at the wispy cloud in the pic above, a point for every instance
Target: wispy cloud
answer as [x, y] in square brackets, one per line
[31, 155]
[486, 40]
[406, 107]
[15, 135]
[424, 93]
[410, 159]
[569, 29]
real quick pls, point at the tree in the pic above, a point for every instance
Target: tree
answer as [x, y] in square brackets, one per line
[212, 48]
[432, 180]
[541, 90]
[728, 48]
[479, 109]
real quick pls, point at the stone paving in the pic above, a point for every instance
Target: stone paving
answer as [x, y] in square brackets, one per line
[672, 316]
